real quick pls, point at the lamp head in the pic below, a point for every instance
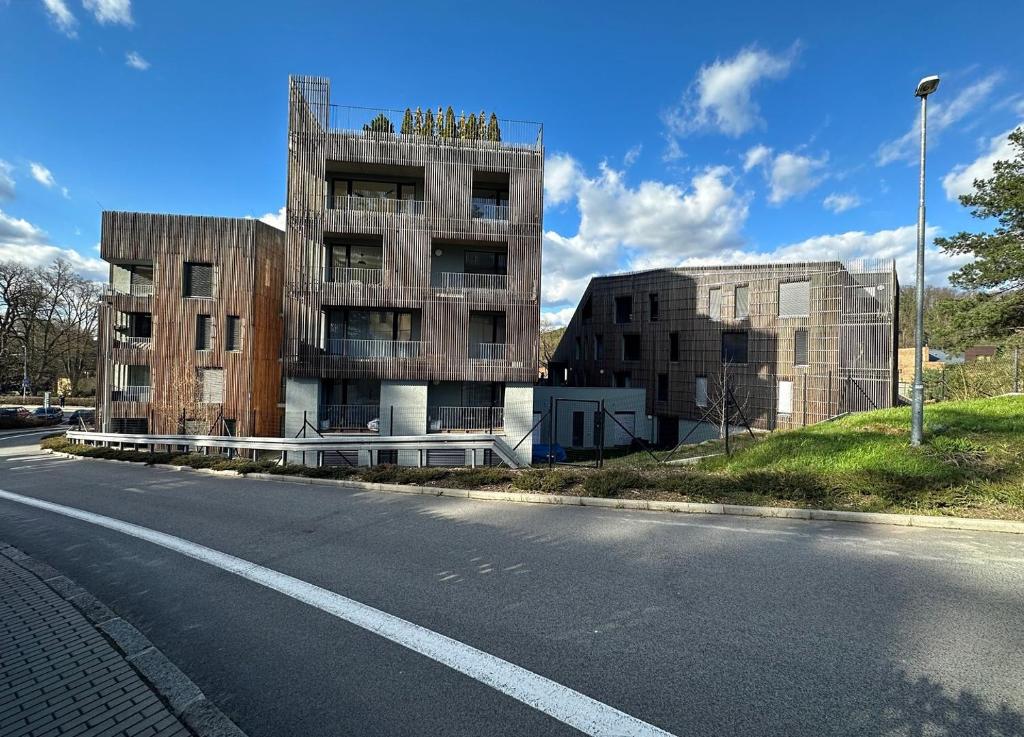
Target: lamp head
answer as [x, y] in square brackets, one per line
[927, 86]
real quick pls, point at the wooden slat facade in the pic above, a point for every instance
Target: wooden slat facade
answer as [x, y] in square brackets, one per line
[248, 258]
[408, 242]
[850, 329]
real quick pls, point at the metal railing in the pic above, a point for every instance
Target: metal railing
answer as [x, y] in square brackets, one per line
[349, 417]
[457, 280]
[130, 393]
[352, 275]
[489, 210]
[384, 123]
[383, 205]
[130, 341]
[488, 351]
[447, 419]
[310, 450]
[133, 290]
[354, 348]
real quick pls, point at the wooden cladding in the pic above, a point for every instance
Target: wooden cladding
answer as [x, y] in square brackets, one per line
[409, 240]
[216, 316]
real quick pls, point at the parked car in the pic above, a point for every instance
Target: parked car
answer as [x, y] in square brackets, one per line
[87, 416]
[14, 413]
[48, 414]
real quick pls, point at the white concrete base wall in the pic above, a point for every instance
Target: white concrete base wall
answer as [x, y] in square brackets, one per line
[519, 418]
[301, 395]
[628, 405]
[403, 411]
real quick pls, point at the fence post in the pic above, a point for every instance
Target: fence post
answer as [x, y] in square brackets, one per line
[600, 439]
[1016, 370]
[551, 427]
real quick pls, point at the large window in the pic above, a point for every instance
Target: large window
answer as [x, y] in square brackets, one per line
[373, 189]
[742, 302]
[631, 350]
[353, 256]
[624, 309]
[715, 303]
[795, 299]
[204, 333]
[800, 347]
[653, 300]
[734, 347]
[233, 333]
[701, 391]
[486, 262]
[198, 280]
[371, 325]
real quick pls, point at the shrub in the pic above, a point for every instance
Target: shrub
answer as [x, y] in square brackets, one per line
[610, 483]
[549, 482]
[388, 474]
[473, 477]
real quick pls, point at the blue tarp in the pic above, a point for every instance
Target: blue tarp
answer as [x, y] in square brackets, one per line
[540, 452]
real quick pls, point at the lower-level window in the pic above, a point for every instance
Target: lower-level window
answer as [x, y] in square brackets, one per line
[785, 397]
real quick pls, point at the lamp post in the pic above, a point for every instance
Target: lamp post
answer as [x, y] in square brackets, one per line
[925, 87]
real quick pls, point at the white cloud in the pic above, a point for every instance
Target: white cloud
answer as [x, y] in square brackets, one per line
[556, 318]
[135, 61]
[961, 179]
[792, 174]
[756, 156]
[841, 202]
[110, 11]
[899, 244]
[632, 155]
[650, 225]
[41, 174]
[940, 117]
[61, 17]
[23, 242]
[561, 177]
[276, 219]
[6, 181]
[721, 95]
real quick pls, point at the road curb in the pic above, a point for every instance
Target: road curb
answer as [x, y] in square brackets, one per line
[182, 696]
[973, 524]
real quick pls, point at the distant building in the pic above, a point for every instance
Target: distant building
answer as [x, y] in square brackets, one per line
[779, 345]
[980, 353]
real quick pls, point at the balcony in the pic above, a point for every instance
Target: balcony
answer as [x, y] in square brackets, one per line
[353, 275]
[458, 281]
[130, 394]
[374, 349]
[465, 419]
[488, 351]
[349, 417]
[483, 209]
[133, 290]
[133, 342]
[376, 205]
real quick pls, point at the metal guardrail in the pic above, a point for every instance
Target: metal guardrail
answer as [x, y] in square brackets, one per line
[445, 419]
[421, 444]
[127, 341]
[458, 280]
[488, 351]
[487, 210]
[352, 275]
[347, 416]
[382, 205]
[355, 348]
[134, 290]
[131, 393]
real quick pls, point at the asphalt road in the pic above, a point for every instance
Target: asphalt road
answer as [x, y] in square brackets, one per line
[697, 625]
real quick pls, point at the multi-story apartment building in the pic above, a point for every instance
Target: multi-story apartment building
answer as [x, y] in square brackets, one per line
[412, 267]
[190, 325]
[776, 345]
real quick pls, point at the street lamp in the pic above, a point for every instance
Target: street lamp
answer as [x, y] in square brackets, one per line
[925, 87]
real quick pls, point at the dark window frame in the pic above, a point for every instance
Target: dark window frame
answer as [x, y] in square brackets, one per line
[204, 329]
[619, 313]
[727, 351]
[188, 280]
[673, 346]
[653, 307]
[661, 388]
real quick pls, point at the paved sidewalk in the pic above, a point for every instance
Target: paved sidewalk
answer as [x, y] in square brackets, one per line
[59, 675]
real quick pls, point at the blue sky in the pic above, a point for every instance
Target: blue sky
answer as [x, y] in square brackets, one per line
[675, 133]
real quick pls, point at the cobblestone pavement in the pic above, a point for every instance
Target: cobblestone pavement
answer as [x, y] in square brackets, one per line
[60, 676]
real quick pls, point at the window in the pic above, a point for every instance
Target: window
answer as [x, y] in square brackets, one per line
[631, 350]
[579, 348]
[662, 387]
[598, 347]
[701, 393]
[673, 347]
[588, 309]
[715, 303]
[486, 262]
[352, 256]
[624, 309]
[742, 302]
[795, 299]
[785, 397]
[623, 379]
[734, 347]
[800, 347]
[204, 333]
[212, 381]
[654, 307]
[233, 334]
[198, 280]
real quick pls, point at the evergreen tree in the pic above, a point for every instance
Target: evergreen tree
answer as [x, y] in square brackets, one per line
[481, 125]
[461, 127]
[493, 129]
[994, 309]
[407, 125]
[471, 126]
[380, 124]
[449, 122]
[439, 122]
[428, 123]
[417, 121]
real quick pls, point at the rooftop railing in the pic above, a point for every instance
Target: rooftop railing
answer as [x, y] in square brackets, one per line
[385, 123]
[378, 205]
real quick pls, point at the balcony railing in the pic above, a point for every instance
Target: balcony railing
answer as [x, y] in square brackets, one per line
[128, 341]
[369, 349]
[134, 290]
[352, 275]
[457, 280]
[349, 417]
[488, 351]
[448, 419]
[489, 210]
[382, 205]
[380, 123]
[130, 393]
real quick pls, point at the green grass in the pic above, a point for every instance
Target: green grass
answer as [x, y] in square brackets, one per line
[971, 464]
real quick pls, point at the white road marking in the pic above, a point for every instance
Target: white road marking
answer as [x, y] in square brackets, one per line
[26, 434]
[588, 715]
